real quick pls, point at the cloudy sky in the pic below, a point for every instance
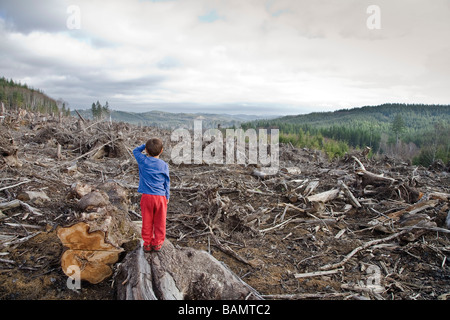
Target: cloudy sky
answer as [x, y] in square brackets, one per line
[229, 56]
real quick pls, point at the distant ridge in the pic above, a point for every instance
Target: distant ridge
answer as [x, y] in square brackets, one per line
[424, 127]
[375, 114]
[378, 118]
[169, 120]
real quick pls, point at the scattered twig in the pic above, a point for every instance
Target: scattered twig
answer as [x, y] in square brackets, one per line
[364, 246]
[301, 296]
[18, 203]
[317, 273]
[15, 185]
[21, 240]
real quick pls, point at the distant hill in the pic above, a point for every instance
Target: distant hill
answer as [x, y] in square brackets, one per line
[16, 95]
[426, 126]
[168, 120]
[416, 116]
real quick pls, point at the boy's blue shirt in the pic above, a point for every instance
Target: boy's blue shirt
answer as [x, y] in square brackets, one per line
[153, 174]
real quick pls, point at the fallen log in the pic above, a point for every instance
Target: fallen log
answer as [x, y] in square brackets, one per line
[439, 195]
[18, 203]
[349, 194]
[412, 209]
[176, 273]
[10, 204]
[264, 173]
[324, 196]
[369, 178]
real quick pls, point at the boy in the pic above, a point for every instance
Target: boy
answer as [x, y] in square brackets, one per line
[154, 184]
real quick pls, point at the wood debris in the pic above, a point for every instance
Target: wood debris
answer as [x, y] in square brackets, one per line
[354, 228]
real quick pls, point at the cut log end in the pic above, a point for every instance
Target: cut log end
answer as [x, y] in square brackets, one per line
[88, 252]
[94, 266]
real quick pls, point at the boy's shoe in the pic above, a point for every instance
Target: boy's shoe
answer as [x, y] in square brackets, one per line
[157, 248]
[147, 248]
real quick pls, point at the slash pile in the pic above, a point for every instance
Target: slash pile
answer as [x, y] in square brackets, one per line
[354, 228]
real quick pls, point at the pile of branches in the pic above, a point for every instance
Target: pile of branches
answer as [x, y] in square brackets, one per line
[355, 228]
[321, 220]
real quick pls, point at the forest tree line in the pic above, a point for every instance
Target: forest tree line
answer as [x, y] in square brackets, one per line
[416, 132]
[15, 95]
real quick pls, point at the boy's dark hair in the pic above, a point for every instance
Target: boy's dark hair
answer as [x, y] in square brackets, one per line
[154, 147]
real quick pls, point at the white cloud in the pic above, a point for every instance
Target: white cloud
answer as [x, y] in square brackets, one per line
[286, 53]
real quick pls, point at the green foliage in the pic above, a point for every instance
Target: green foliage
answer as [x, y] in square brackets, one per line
[98, 111]
[332, 148]
[369, 126]
[398, 126]
[436, 145]
[16, 95]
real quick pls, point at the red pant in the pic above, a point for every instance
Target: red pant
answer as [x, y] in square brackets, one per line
[154, 211]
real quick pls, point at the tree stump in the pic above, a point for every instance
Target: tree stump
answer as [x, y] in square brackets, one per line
[176, 274]
[87, 251]
[95, 242]
[8, 149]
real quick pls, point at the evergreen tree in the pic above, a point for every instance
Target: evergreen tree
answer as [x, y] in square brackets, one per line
[398, 126]
[105, 109]
[98, 111]
[98, 108]
[94, 110]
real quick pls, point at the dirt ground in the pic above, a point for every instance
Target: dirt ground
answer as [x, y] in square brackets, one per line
[277, 235]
